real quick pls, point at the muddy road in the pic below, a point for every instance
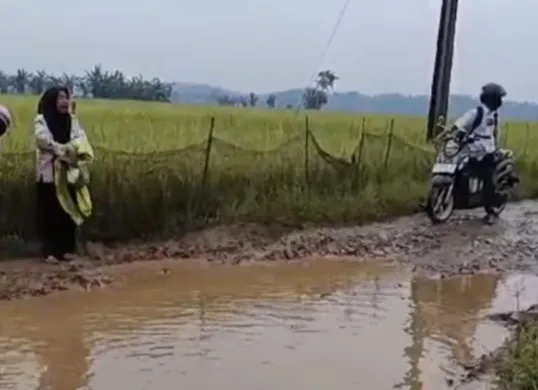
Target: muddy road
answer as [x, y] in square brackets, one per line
[462, 246]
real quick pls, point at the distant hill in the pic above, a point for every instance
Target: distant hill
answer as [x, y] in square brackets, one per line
[195, 93]
[395, 104]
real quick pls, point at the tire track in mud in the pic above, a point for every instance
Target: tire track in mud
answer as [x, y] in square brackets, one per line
[463, 245]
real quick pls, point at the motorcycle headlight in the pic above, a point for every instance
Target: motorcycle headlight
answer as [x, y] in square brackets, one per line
[451, 148]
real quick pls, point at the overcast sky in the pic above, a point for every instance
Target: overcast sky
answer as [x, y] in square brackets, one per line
[263, 45]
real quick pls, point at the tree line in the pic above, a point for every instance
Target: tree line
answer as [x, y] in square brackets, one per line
[103, 84]
[314, 98]
[95, 83]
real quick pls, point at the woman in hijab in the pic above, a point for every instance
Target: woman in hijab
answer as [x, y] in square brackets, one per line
[54, 127]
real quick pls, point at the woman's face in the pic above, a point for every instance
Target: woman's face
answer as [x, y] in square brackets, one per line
[62, 103]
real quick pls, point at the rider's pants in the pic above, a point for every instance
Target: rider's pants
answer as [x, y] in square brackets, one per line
[485, 170]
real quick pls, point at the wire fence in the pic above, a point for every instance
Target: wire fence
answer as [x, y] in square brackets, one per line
[137, 195]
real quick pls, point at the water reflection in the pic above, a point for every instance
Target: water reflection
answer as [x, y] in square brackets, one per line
[446, 311]
[338, 325]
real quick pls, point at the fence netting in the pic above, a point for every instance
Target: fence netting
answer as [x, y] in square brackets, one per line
[137, 195]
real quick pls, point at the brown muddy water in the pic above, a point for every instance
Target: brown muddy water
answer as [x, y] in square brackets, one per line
[297, 326]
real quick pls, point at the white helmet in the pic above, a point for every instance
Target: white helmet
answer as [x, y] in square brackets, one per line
[5, 119]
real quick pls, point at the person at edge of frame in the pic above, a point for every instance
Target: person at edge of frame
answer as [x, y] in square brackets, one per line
[55, 125]
[5, 120]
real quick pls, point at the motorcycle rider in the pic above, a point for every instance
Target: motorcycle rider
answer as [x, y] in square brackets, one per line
[483, 122]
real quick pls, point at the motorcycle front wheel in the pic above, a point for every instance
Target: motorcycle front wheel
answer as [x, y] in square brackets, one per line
[440, 203]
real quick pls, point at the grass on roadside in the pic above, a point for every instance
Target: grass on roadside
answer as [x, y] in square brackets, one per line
[517, 368]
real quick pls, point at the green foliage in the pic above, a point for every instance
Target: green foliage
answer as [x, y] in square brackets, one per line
[150, 176]
[315, 98]
[518, 367]
[96, 83]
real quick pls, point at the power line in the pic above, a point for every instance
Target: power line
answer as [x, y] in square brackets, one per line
[325, 51]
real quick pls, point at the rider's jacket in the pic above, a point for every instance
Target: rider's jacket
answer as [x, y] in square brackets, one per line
[485, 132]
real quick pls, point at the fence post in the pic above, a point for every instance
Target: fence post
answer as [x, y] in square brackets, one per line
[361, 143]
[357, 158]
[386, 158]
[307, 154]
[527, 135]
[198, 201]
[207, 153]
[389, 144]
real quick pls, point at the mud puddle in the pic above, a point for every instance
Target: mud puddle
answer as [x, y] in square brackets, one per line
[315, 325]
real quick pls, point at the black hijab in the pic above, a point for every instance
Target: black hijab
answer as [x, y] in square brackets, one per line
[59, 124]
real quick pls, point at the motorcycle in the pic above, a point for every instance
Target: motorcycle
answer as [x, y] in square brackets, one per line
[454, 186]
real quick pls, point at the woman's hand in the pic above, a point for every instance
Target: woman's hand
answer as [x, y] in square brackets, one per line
[60, 150]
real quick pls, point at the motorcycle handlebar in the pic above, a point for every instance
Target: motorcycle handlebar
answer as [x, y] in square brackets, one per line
[451, 132]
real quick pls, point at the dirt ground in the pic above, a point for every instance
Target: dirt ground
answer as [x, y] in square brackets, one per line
[463, 245]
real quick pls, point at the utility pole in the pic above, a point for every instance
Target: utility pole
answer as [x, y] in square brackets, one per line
[440, 89]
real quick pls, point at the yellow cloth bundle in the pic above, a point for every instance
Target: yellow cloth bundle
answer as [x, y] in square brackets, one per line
[72, 168]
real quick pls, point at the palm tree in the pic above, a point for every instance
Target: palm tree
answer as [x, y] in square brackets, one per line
[4, 82]
[95, 83]
[83, 85]
[325, 80]
[253, 99]
[315, 98]
[94, 79]
[68, 81]
[271, 101]
[20, 81]
[39, 82]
